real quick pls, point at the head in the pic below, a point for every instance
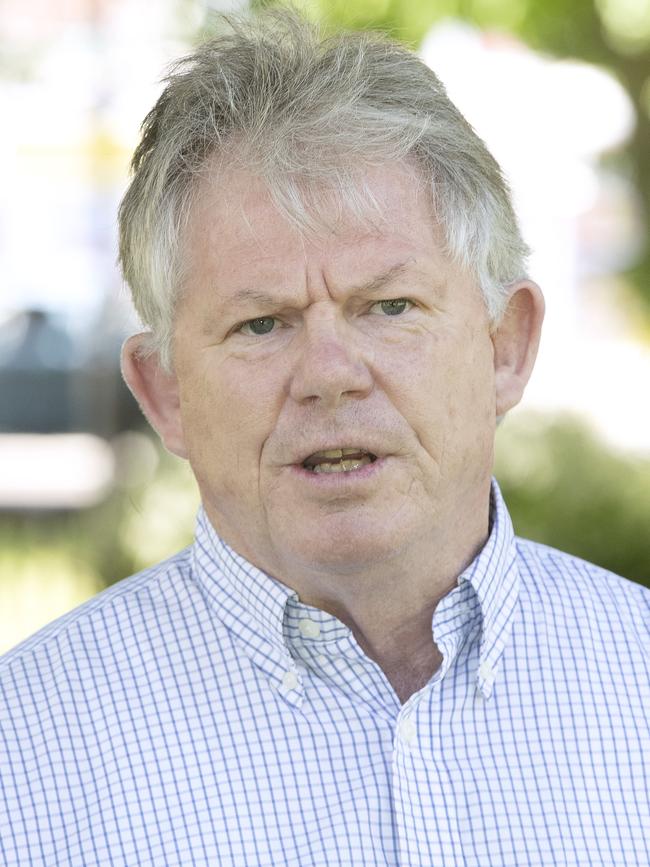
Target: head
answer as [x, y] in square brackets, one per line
[325, 193]
[307, 113]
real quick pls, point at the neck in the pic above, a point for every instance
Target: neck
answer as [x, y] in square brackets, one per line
[390, 608]
[404, 649]
[388, 603]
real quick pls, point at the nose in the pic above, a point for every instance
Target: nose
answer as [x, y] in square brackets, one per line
[330, 366]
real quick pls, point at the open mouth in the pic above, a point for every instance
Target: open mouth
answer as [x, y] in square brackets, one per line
[343, 460]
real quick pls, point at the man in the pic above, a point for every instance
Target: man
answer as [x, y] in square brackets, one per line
[356, 662]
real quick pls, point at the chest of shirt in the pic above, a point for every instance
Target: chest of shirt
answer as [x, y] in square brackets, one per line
[215, 761]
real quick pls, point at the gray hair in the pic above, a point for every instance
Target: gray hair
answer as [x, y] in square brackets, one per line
[307, 112]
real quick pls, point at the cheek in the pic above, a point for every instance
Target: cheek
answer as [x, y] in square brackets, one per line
[445, 379]
[228, 414]
[481, 381]
[205, 422]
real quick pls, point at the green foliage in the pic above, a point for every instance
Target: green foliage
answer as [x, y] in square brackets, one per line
[566, 489]
[50, 562]
[133, 528]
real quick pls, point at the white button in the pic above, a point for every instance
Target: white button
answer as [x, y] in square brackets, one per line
[320, 659]
[486, 672]
[309, 628]
[407, 730]
[290, 680]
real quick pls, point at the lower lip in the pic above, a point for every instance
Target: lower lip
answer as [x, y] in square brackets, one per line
[341, 479]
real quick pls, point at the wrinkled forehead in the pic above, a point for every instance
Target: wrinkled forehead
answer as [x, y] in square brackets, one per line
[238, 235]
[361, 200]
[239, 242]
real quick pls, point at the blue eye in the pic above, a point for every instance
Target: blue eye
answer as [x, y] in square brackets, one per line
[395, 306]
[266, 324]
[263, 325]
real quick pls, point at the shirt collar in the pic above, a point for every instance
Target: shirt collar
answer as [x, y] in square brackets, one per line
[494, 577]
[252, 604]
[248, 602]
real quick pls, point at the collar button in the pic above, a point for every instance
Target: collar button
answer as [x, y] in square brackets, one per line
[308, 628]
[289, 681]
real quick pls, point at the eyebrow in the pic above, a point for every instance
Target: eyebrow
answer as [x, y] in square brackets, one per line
[374, 285]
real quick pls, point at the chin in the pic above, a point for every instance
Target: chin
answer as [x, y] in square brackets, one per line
[345, 553]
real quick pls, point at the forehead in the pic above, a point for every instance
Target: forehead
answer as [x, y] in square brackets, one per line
[237, 237]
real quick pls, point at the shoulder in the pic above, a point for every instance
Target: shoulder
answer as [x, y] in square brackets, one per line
[561, 586]
[542, 564]
[127, 600]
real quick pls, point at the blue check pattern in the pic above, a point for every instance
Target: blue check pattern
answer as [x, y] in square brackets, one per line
[199, 714]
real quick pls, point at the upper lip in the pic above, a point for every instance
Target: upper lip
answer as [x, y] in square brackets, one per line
[358, 444]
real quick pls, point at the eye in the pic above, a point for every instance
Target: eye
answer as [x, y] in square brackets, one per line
[258, 327]
[394, 306]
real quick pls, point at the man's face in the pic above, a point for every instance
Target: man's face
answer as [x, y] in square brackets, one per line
[285, 348]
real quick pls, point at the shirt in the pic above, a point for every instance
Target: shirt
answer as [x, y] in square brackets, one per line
[198, 713]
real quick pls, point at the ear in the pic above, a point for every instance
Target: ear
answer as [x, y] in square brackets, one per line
[156, 391]
[516, 341]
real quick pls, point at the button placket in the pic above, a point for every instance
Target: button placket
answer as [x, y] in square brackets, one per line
[486, 672]
[407, 730]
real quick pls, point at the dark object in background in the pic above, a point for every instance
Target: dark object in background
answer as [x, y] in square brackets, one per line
[51, 382]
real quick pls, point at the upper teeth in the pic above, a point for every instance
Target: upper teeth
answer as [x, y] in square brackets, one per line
[336, 453]
[342, 458]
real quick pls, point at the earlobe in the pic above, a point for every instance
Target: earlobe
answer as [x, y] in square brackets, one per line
[156, 392]
[516, 341]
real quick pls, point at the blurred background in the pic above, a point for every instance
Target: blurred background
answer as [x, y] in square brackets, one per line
[559, 90]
